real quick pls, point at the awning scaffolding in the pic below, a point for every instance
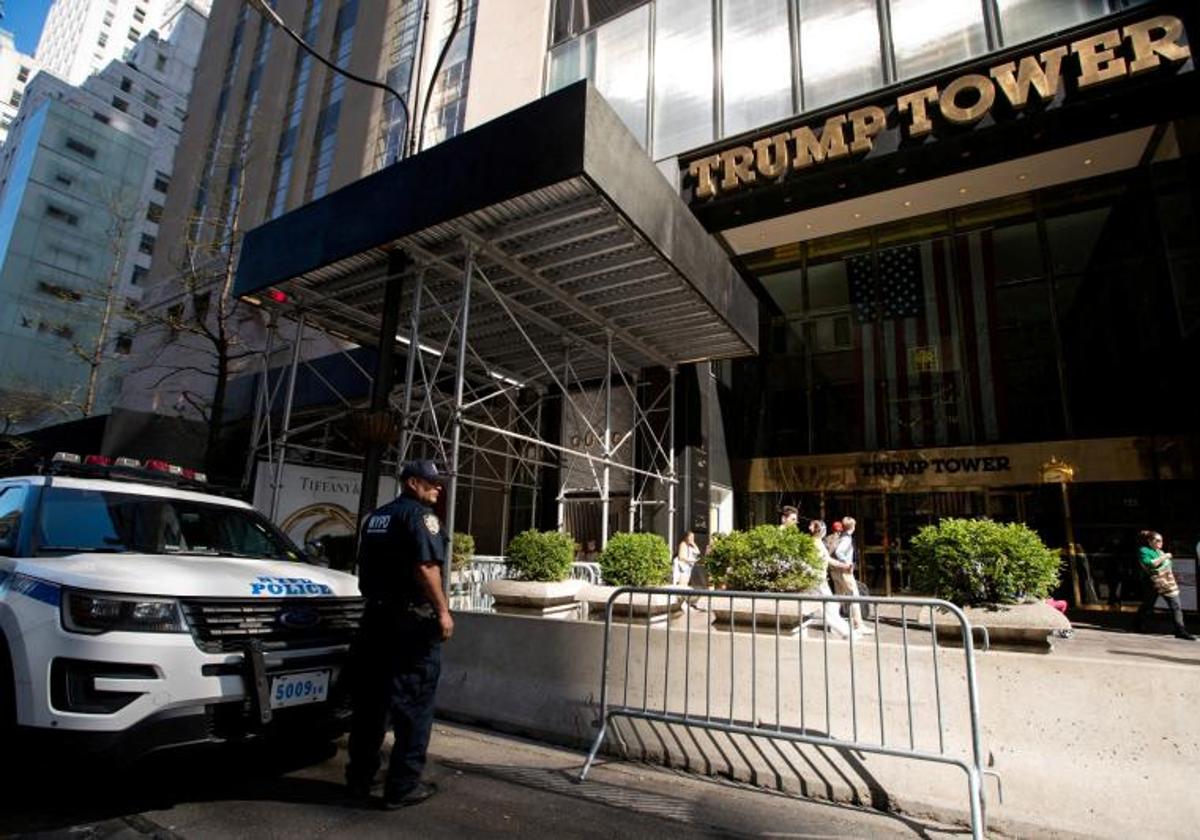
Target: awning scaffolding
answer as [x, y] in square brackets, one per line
[539, 256]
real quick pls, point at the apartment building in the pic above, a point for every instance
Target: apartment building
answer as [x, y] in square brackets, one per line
[16, 69]
[80, 37]
[83, 183]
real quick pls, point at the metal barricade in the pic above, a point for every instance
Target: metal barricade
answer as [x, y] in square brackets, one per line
[699, 684]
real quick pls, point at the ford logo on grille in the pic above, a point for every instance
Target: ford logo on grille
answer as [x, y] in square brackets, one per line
[299, 618]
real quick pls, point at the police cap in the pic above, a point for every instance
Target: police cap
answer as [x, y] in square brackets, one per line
[420, 469]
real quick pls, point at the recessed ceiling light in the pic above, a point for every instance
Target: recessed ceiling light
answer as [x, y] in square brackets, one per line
[1087, 161]
[858, 215]
[908, 204]
[808, 227]
[1022, 177]
[842, 185]
[962, 190]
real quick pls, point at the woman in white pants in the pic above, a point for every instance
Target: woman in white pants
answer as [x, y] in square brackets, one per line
[831, 616]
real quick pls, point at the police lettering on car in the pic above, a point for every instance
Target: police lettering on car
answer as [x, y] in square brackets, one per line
[397, 656]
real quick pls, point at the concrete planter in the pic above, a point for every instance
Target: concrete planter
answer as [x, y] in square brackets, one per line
[542, 600]
[759, 615]
[1031, 626]
[658, 607]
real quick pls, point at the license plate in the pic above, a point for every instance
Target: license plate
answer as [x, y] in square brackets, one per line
[298, 689]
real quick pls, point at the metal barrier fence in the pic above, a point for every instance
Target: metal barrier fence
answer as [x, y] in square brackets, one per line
[780, 689]
[466, 585]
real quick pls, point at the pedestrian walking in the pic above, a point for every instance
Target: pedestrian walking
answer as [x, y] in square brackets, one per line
[396, 658]
[788, 515]
[841, 567]
[686, 557]
[831, 616]
[1159, 582]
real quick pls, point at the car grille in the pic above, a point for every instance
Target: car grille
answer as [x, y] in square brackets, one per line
[222, 625]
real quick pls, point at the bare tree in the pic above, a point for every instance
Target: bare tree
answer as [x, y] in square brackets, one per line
[194, 322]
[23, 408]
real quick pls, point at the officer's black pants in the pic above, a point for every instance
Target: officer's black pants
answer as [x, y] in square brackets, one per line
[396, 662]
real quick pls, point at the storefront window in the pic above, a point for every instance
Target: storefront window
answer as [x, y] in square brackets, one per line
[756, 57]
[839, 50]
[1024, 20]
[683, 76]
[930, 34]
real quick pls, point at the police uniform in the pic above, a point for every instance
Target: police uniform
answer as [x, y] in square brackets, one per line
[397, 655]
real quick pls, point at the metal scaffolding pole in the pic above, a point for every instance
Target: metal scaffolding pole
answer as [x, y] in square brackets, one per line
[456, 431]
[414, 349]
[533, 508]
[605, 499]
[633, 478]
[261, 400]
[671, 471]
[381, 386]
[562, 479]
[277, 479]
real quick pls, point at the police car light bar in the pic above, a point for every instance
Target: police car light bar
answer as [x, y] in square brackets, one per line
[152, 465]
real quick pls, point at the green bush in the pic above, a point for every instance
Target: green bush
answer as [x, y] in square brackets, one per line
[978, 561]
[635, 560]
[765, 559]
[544, 556]
[462, 551]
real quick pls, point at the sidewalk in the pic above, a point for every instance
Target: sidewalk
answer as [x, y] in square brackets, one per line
[491, 786]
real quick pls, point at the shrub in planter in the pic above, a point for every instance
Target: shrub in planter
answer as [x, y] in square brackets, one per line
[978, 561]
[765, 559]
[636, 560]
[544, 556]
[462, 552]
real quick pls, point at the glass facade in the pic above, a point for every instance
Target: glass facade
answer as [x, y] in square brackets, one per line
[281, 175]
[722, 67]
[988, 324]
[325, 134]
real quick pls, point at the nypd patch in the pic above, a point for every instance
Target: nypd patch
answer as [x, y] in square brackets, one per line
[431, 523]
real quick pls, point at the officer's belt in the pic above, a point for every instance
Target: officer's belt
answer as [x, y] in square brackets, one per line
[400, 605]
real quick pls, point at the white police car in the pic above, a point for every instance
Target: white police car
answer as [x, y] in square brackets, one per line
[137, 613]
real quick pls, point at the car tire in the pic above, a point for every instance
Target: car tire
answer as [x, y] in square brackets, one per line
[8, 694]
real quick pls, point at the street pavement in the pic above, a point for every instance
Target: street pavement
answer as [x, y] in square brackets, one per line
[491, 786]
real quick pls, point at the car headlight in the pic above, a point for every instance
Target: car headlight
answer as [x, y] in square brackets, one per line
[94, 613]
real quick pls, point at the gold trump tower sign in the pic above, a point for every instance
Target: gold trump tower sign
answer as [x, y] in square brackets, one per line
[1098, 59]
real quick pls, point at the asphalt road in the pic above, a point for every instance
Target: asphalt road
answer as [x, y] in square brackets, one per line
[491, 786]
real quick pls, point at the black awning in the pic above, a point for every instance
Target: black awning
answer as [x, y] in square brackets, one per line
[577, 231]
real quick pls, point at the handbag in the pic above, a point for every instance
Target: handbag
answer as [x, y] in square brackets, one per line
[1164, 583]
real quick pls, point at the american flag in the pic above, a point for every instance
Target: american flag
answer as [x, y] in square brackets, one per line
[924, 342]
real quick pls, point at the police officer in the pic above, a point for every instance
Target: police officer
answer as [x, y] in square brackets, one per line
[397, 655]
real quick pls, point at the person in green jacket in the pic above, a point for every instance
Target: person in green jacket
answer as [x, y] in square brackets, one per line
[1153, 560]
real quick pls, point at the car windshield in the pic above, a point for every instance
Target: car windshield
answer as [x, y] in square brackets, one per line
[79, 520]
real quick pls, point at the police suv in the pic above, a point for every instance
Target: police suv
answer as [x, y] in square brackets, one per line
[138, 611]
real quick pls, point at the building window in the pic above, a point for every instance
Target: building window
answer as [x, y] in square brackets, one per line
[123, 346]
[120, 104]
[63, 180]
[1024, 20]
[922, 46]
[160, 62]
[138, 276]
[15, 99]
[102, 41]
[98, 117]
[839, 50]
[53, 211]
[23, 74]
[134, 34]
[574, 16]
[146, 245]
[162, 182]
[683, 77]
[756, 61]
[139, 14]
[108, 18]
[154, 213]
[126, 84]
[151, 99]
[150, 120]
